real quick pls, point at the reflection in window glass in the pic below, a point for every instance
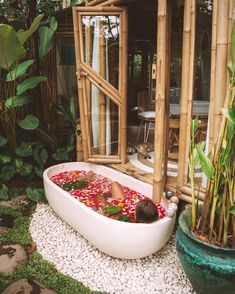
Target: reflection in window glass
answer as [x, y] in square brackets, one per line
[103, 119]
[203, 51]
[176, 52]
[101, 45]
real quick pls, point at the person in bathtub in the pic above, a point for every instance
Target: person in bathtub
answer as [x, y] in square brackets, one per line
[145, 212]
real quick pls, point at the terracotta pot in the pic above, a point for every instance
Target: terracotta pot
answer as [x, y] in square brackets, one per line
[210, 269]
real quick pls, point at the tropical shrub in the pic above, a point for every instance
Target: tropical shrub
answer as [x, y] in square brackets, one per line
[68, 111]
[21, 151]
[216, 221]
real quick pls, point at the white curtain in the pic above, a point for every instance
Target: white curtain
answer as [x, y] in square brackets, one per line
[95, 93]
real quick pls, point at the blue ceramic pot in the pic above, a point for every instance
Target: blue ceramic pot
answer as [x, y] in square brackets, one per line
[210, 269]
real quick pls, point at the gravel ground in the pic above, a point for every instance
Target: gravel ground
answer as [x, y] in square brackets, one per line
[72, 255]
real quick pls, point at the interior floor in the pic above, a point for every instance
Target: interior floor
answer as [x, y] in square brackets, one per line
[138, 172]
[142, 168]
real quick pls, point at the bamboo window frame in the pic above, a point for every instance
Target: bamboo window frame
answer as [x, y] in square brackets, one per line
[86, 76]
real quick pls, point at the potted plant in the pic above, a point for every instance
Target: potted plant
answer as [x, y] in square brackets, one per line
[205, 239]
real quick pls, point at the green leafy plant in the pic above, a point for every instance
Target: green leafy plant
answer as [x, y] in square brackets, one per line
[21, 152]
[68, 111]
[35, 194]
[75, 185]
[112, 209]
[35, 267]
[4, 192]
[124, 218]
[217, 218]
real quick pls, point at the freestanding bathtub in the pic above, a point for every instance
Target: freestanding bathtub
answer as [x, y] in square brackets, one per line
[115, 238]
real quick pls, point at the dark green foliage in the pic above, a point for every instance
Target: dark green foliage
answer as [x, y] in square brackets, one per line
[112, 209]
[4, 192]
[124, 218]
[40, 270]
[75, 185]
[19, 233]
[22, 152]
[35, 267]
[35, 194]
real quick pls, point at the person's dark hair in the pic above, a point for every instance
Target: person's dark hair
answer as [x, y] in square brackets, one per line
[146, 211]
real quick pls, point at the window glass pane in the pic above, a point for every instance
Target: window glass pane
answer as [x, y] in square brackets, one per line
[203, 51]
[103, 118]
[176, 53]
[101, 45]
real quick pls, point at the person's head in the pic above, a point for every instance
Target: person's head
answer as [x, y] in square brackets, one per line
[146, 211]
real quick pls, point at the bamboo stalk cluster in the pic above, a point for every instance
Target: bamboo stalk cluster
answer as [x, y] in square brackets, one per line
[217, 219]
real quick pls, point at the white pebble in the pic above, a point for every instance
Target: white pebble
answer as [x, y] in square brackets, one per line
[72, 255]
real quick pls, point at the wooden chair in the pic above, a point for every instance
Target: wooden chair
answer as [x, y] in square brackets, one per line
[173, 144]
[174, 128]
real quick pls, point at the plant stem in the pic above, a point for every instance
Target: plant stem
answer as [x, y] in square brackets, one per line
[233, 230]
[225, 235]
[220, 225]
[193, 197]
[212, 217]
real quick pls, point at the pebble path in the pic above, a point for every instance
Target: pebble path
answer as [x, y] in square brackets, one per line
[72, 255]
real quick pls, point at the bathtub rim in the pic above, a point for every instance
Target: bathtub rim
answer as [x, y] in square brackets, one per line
[94, 213]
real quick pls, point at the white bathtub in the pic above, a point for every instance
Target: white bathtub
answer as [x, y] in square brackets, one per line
[115, 238]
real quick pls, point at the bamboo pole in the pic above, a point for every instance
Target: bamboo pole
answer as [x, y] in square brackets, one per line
[87, 114]
[188, 191]
[168, 73]
[88, 10]
[88, 59]
[102, 82]
[158, 178]
[120, 88]
[213, 73]
[87, 129]
[102, 89]
[102, 98]
[221, 63]
[80, 92]
[95, 2]
[104, 160]
[79, 148]
[191, 86]
[88, 84]
[186, 63]
[111, 2]
[123, 86]
[230, 27]
[105, 156]
[188, 199]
